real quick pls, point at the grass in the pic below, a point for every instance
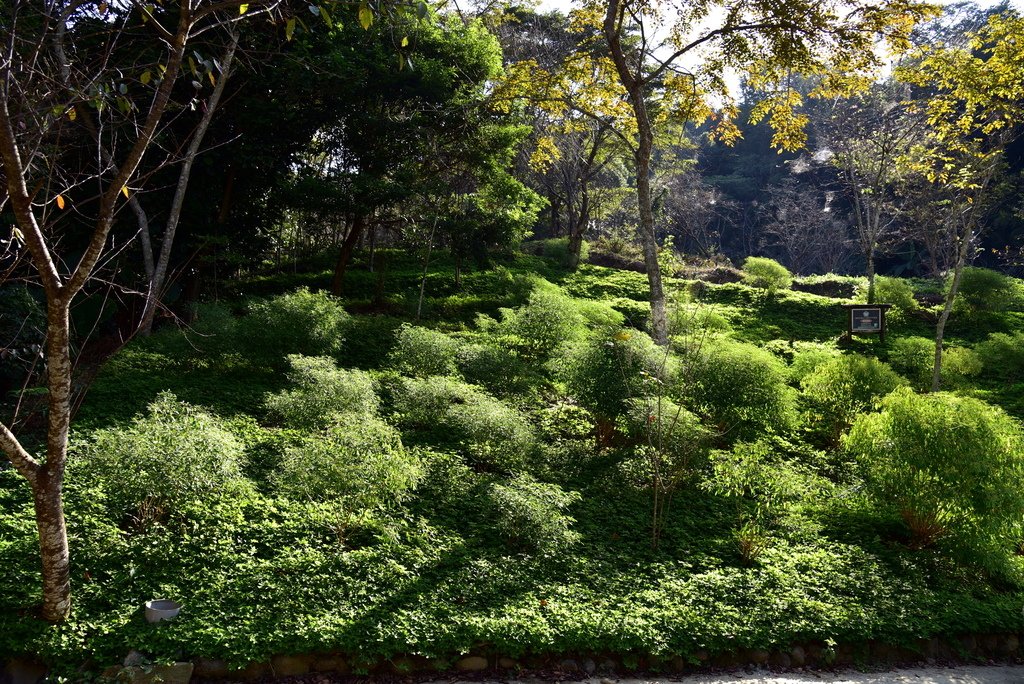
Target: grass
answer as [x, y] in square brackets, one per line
[260, 574]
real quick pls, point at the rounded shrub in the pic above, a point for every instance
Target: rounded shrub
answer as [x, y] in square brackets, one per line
[766, 274]
[548, 320]
[173, 457]
[530, 515]
[421, 352]
[740, 387]
[1002, 356]
[673, 442]
[807, 356]
[499, 370]
[839, 389]
[321, 391]
[492, 434]
[302, 322]
[951, 467]
[616, 365]
[895, 291]
[982, 289]
[914, 358]
[358, 461]
[695, 319]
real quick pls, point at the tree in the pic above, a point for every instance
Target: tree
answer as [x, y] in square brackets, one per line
[867, 135]
[768, 42]
[803, 226]
[973, 106]
[72, 135]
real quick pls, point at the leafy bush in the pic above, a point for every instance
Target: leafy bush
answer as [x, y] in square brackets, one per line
[766, 274]
[982, 289]
[422, 352]
[1002, 355]
[951, 467]
[492, 434]
[173, 457]
[359, 461]
[549, 319]
[558, 249]
[531, 515]
[303, 322]
[895, 291]
[839, 389]
[617, 365]
[499, 370]
[321, 392]
[673, 441]
[695, 319]
[914, 358]
[807, 356]
[740, 387]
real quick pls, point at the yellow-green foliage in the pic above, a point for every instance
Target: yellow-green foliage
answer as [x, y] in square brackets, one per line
[837, 390]
[952, 468]
[320, 392]
[766, 274]
[422, 352]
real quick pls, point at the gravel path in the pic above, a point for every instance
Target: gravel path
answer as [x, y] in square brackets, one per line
[973, 674]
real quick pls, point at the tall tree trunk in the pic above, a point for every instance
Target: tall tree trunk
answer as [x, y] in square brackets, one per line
[347, 247]
[635, 86]
[577, 230]
[158, 279]
[871, 275]
[940, 327]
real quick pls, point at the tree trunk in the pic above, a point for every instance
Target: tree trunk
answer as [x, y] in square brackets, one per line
[940, 327]
[577, 231]
[154, 291]
[347, 247]
[53, 547]
[635, 85]
[426, 265]
[871, 275]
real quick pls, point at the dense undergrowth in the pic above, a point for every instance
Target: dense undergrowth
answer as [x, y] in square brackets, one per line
[524, 471]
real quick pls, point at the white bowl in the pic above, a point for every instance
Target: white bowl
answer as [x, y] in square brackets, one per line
[161, 609]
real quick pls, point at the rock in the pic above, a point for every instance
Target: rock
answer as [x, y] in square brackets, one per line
[291, 665]
[989, 644]
[780, 660]
[589, 666]
[407, 664]
[176, 673]
[969, 644]
[727, 660]
[1012, 644]
[211, 668]
[815, 653]
[758, 656]
[702, 655]
[678, 664]
[797, 656]
[24, 671]
[471, 664]
[330, 663]
[608, 665]
[568, 665]
[134, 659]
[883, 653]
[506, 663]
[607, 681]
[252, 672]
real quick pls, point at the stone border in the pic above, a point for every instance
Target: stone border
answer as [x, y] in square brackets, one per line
[1002, 646]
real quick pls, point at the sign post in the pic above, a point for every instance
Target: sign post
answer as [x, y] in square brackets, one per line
[866, 319]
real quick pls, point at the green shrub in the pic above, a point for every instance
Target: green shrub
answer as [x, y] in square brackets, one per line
[982, 289]
[951, 467]
[422, 352]
[172, 457]
[303, 322]
[696, 319]
[499, 370]
[839, 389]
[359, 461]
[895, 291]
[531, 515]
[548, 320]
[672, 439]
[1002, 355]
[213, 329]
[617, 365]
[321, 392]
[766, 274]
[740, 387]
[492, 434]
[807, 356]
[558, 250]
[914, 358]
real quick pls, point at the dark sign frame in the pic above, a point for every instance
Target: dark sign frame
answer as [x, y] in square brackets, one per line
[870, 312]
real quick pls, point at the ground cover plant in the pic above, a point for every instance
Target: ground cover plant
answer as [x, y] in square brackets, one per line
[523, 470]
